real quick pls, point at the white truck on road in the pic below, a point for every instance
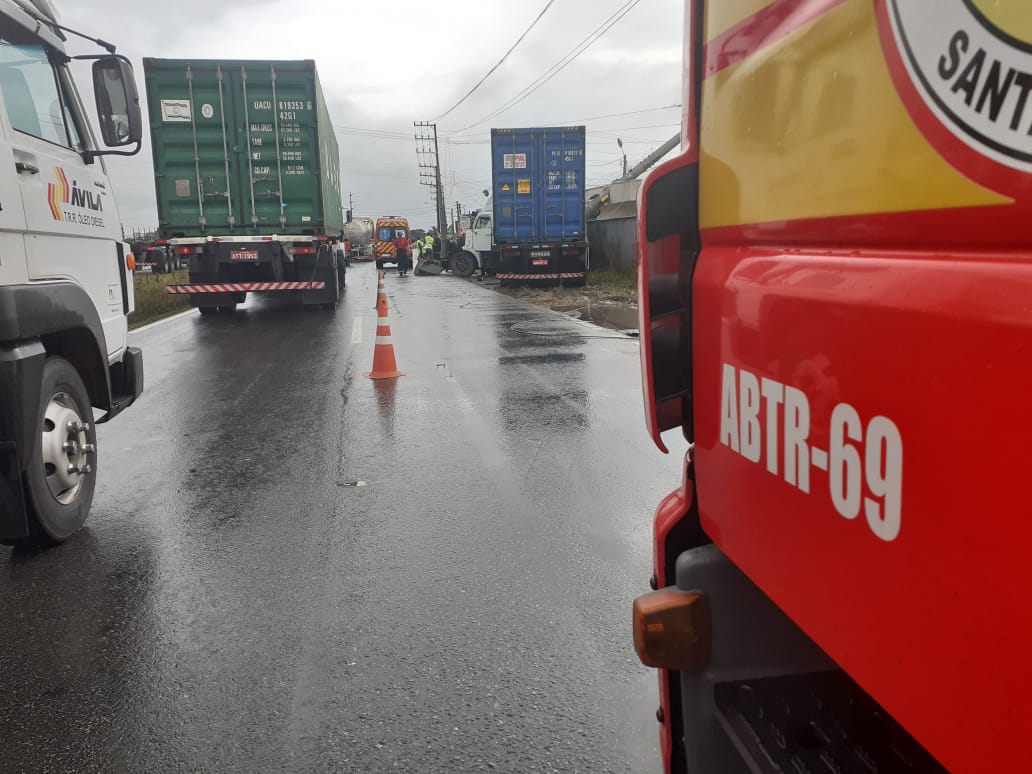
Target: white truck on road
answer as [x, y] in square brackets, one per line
[66, 284]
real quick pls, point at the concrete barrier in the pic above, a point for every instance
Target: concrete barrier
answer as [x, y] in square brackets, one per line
[614, 244]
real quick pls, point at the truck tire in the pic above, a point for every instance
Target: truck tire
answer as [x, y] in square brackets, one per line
[228, 308]
[57, 497]
[463, 263]
[207, 309]
[332, 279]
[379, 265]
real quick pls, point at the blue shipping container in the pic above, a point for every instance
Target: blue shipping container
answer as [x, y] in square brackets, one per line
[538, 182]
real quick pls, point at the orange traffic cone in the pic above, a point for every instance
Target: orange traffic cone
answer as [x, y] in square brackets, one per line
[381, 291]
[384, 364]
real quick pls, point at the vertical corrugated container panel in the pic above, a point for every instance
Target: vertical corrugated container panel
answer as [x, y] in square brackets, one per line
[242, 147]
[538, 184]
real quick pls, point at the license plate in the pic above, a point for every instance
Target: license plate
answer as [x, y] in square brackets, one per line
[244, 255]
[540, 254]
[539, 262]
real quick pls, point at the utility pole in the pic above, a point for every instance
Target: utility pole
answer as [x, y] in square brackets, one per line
[458, 214]
[351, 206]
[428, 155]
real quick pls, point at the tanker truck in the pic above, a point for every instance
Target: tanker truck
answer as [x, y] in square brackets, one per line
[359, 232]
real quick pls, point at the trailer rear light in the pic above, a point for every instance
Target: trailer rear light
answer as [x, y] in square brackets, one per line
[185, 250]
[160, 242]
[304, 251]
[672, 630]
[216, 239]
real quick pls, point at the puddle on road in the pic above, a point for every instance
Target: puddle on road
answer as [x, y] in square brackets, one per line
[608, 314]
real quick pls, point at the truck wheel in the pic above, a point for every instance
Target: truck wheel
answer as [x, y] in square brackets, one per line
[207, 309]
[62, 471]
[379, 264]
[463, 263]
[333, 281]
[228, 308]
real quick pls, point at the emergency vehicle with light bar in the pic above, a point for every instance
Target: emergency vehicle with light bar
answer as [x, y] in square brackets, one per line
[834, 284]
[389, 228]
[66, 284]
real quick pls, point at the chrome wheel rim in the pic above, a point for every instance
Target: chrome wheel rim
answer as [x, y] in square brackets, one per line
[65, 448]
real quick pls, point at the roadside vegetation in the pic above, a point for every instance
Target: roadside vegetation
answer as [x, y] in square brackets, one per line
[152, 303]
[617, 286]
[610, 298]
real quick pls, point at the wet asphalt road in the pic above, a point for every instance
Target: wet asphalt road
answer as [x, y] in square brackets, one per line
[237, 604]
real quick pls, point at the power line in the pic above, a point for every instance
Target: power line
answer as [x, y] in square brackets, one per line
[615, 115]
[485, 140]
[559, 66]
[573, 121]
[630, 128]
[378, 133]
[499, 63]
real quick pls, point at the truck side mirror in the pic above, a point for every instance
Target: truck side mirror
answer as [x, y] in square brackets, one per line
[118, 102]
[668, 246]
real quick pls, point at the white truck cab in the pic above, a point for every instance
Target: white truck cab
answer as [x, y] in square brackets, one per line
[478, 252]
[65, 275]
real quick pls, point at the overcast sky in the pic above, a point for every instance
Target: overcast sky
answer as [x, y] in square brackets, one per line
[386, 63]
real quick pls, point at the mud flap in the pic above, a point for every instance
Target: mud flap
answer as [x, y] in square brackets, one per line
[14, 521]
[21, 369]
[329, 294]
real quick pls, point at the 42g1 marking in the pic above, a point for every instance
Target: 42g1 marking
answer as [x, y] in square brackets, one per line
[766, 421]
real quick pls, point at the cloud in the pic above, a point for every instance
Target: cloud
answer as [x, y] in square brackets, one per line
[388, 63]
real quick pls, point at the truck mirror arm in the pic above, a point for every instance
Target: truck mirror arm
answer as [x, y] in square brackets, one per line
[89, 155]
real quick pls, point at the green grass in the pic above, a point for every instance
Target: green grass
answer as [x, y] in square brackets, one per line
[618, 286]
[614, 285]
[614, 279]
[152, 303]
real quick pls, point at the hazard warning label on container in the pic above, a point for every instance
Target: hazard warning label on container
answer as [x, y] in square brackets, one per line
[506, 187]
[514, 160]
[523, 186]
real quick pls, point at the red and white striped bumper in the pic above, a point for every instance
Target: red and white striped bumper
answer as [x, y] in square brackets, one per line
[242, 287]
[565, 275]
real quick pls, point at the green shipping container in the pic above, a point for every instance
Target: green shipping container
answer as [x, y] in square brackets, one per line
[242, 148]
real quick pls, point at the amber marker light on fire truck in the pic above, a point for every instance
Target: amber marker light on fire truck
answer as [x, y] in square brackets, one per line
[672, 630]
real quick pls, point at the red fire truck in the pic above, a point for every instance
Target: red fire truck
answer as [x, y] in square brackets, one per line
[836, 311]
